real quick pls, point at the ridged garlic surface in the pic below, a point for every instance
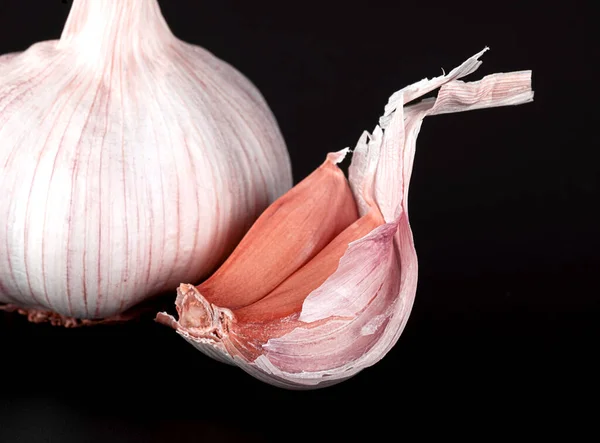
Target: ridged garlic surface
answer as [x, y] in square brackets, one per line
[130, 161]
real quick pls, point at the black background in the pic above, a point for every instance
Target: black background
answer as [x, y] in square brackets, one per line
[504, 331]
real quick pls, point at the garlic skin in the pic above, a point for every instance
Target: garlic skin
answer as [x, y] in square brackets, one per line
[129, 161]
[352, 319]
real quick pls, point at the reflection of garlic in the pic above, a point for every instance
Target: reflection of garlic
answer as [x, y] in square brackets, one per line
[345, 308]
[129, 162]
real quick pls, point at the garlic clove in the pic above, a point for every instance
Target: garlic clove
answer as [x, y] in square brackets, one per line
[287, 235]
[287, 298]
[353, 317]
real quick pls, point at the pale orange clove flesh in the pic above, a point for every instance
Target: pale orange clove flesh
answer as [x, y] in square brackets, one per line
[293, 230]
[288, 297]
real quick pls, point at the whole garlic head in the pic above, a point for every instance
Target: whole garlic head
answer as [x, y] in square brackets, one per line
[130, 161]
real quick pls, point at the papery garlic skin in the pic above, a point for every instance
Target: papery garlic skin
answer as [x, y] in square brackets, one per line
[355, 317]
[129, 161]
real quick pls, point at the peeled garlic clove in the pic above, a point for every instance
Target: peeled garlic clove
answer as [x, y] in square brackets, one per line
[287, 235]
[288, 297]
[321, 329]
[132, 161]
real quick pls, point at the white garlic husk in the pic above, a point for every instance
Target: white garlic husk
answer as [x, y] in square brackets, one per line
[130, 161]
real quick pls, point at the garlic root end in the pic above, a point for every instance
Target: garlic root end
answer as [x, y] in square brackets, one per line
[197, 316]
[43, 316]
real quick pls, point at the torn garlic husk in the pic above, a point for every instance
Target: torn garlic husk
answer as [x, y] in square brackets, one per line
[343, 309]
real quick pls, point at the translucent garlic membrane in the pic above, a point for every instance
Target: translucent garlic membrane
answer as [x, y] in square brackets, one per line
[129, 161]
[353, 318]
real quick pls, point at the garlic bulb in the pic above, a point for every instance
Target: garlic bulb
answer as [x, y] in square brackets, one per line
[304, 315]
[129, 161]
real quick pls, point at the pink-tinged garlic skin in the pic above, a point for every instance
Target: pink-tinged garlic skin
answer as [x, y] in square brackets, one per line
[356, 316]
[129, 161]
